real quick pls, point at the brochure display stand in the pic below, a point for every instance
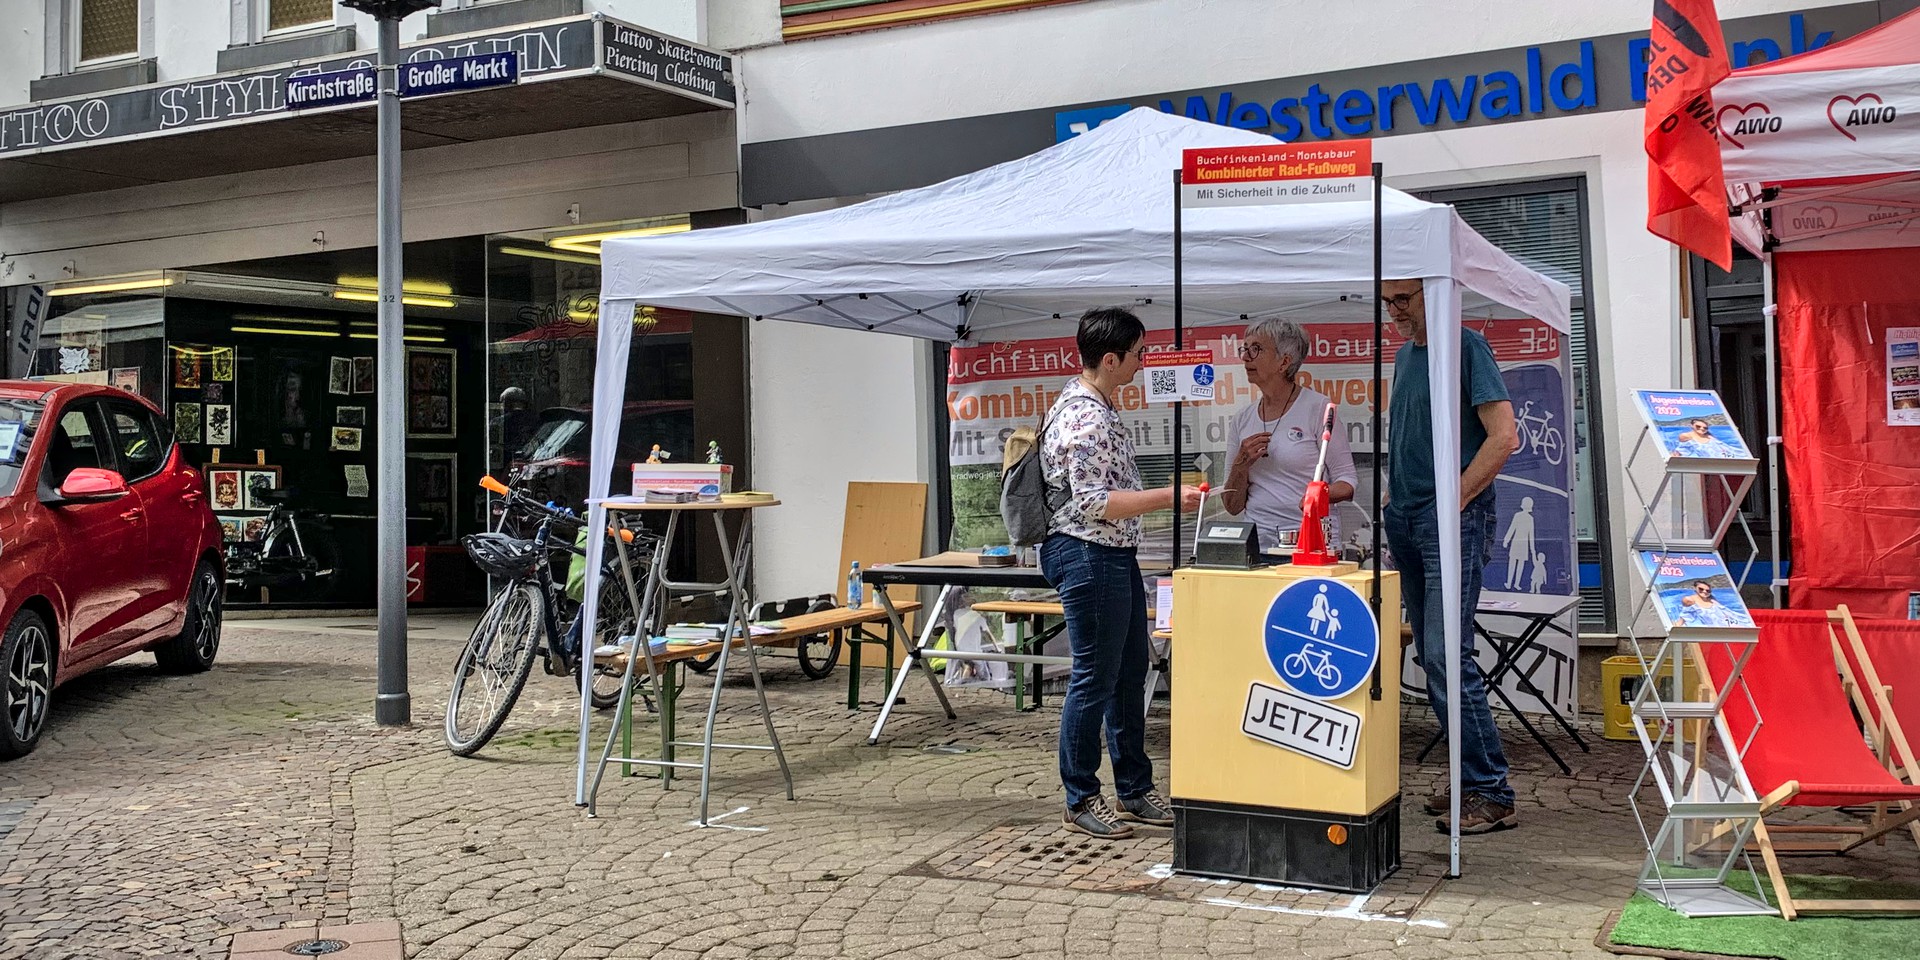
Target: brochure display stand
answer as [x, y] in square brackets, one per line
[1705, 470]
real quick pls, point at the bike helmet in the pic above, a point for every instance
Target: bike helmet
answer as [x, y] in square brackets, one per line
[501, 556]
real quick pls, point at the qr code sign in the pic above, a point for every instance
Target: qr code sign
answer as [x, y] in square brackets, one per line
[1163, 383]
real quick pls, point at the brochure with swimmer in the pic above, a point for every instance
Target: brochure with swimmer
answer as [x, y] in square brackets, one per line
[1697, 596]
[1693, 426]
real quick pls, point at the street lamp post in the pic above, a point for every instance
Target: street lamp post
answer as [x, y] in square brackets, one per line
[392, 705]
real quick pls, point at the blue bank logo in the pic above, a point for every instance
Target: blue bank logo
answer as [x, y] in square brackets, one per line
[1321, 638]
[1068, 124]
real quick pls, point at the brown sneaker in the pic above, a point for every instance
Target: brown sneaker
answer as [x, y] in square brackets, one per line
[1480, 815]
[1438, 805]
[1095, 818]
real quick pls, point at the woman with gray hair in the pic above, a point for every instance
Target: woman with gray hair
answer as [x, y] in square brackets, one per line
[1276, 440]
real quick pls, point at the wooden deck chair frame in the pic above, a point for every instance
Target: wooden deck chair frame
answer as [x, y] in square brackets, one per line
[1839, 839]
[1873, 698]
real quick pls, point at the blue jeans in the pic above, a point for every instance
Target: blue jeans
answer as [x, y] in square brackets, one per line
[1415, 542]
[1106, 607]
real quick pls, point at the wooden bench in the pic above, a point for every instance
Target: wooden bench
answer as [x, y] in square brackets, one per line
[1022, 613]
[846, 626]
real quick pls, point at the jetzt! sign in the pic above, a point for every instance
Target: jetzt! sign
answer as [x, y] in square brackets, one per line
[1311, 728]
[1277, 173]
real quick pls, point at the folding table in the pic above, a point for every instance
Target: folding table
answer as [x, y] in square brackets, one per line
[1540, 613]
[736, 556]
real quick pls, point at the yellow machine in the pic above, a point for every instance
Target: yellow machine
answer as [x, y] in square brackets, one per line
[1285, 760]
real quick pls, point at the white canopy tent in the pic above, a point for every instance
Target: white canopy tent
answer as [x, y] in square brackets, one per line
[1018, 250]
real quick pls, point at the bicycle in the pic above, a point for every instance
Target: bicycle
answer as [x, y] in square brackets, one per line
[1540, 437]
[1314, 661]
[532, 617]
[301, 561]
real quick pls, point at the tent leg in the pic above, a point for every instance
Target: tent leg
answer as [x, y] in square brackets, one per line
[1768, 313]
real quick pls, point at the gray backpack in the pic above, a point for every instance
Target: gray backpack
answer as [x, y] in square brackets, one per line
[1027, 504]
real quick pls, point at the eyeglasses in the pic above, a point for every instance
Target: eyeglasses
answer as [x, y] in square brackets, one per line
[1252, 351]
[1401, 302]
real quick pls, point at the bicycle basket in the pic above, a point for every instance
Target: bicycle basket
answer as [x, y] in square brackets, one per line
[501, 556]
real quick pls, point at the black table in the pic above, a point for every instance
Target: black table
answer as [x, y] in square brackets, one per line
[1539, 613]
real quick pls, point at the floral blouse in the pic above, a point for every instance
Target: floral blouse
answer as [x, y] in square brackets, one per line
[1087, 452]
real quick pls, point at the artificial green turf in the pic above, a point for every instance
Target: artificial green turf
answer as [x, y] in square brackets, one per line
[1645, 923]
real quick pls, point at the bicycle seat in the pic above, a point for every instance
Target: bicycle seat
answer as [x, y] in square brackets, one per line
[282, 495]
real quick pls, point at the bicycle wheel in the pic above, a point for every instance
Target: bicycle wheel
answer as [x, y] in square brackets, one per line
[316, 585]
[616, 620]
[493, 667]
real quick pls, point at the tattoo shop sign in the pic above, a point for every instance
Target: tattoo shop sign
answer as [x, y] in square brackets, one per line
[561, 48]
[1277, 173]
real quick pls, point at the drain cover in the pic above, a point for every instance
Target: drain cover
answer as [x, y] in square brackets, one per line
[317, 948]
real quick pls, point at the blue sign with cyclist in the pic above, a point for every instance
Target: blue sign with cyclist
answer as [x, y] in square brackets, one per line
[1203, 374]
[1321, 638]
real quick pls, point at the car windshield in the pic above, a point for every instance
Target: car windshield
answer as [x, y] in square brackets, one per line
[18, 419]
[555, 438]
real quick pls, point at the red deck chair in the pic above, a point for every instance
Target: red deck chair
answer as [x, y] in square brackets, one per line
[1806, 749]
[1885, 655]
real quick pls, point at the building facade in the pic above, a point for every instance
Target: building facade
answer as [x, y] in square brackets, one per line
[151, 144]
[1525, 117]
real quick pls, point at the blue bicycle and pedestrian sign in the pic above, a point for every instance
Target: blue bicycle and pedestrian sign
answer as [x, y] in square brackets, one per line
[1321, 638]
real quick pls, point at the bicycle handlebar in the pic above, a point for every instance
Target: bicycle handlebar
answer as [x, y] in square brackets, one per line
[553, 513]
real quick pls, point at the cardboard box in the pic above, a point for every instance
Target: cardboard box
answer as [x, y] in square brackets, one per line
[710, 478]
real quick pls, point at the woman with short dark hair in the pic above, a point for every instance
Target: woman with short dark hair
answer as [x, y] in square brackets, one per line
[1089, 556]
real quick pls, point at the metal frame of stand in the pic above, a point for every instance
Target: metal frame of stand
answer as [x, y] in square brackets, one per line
[1694, 793]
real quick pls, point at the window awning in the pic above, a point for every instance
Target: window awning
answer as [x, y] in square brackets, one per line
[577, 72]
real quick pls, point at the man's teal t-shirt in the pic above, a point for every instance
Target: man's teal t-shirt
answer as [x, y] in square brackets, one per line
[1410, 433]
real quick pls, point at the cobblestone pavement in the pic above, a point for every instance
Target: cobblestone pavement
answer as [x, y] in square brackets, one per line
[163, 815]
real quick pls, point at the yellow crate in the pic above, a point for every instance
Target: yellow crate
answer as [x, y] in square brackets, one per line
[1620, 679]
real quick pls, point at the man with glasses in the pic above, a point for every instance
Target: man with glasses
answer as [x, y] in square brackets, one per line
[1089, 556]
[1488, 435]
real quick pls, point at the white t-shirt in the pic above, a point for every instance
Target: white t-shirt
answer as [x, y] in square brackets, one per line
[1278, 480]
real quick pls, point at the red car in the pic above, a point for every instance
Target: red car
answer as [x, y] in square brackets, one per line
[107, 546]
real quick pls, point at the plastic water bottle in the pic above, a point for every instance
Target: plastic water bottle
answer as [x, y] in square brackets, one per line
[854, 586]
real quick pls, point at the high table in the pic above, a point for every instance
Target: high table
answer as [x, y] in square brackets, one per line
[649, 600]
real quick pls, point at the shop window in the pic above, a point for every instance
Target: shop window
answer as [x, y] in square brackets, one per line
[112, 338]
[685, 379]
[1543, 224]
[107, 29]
[297, 14]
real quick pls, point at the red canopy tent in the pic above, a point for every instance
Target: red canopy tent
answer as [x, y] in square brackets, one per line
[1822, 159]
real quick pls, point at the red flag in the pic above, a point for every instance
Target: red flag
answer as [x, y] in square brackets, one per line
[1686, 188]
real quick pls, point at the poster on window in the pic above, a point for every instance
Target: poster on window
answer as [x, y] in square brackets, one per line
[430, 393]
[994, 388]
[1903, 376]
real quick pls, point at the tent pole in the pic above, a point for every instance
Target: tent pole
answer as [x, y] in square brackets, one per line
[1768, 314]
[1179, 343]
[1379, 344]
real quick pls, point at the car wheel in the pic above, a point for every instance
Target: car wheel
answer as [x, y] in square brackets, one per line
[26, 689]
[199, 640]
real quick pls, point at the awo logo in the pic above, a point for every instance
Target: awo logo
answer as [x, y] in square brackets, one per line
[1808, 219]
[1737, 121]
[1850, 113]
